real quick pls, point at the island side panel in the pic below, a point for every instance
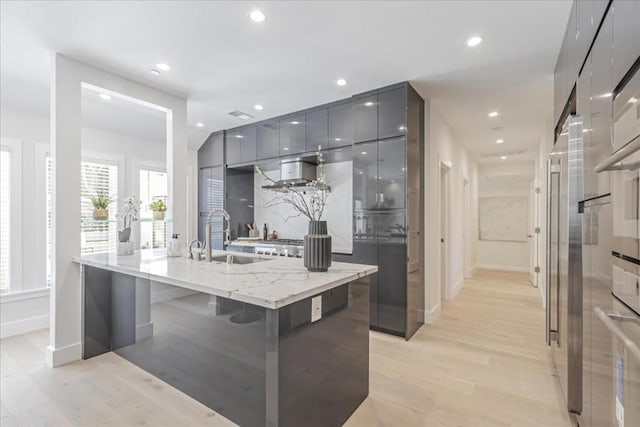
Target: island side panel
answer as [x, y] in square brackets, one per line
[216, 357]
[324, 365]
[96, 312]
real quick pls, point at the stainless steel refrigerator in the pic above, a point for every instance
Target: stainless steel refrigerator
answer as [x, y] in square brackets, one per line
[564, 272]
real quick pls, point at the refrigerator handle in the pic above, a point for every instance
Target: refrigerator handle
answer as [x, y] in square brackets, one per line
[548, 272]
[611, 163]
[606, 318]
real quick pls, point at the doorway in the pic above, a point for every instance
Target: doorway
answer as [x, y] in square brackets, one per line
[466, 227]
[444, 230]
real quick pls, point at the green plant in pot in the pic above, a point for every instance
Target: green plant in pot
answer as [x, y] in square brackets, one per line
[100, 204]
[159, 208]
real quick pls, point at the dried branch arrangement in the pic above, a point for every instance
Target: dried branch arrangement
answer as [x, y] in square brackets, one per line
[308, 203]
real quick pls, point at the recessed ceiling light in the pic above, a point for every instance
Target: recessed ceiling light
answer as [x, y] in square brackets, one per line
[368, 104]
[475, 41]
[341, 82]
[258, 107]
[257, 16]
[364, 152]
[105, 96]
[503, 158]
[295, 123]
[154, 72]
[493, 114]
[200, 124]
[164, 67]
[499, 141]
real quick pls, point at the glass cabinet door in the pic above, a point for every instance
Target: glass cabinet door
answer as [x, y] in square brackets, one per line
[392, 165]
[365, 176]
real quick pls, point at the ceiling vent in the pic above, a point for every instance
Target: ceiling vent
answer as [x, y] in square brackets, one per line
[241, 115]
[505, 153]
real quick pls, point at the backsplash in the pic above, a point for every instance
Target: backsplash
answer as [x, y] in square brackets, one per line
[338, 212]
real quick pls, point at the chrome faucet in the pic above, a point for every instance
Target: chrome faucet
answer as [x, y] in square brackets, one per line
[207, 231]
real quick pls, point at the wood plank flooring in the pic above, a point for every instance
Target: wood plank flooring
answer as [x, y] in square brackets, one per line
[484, 363]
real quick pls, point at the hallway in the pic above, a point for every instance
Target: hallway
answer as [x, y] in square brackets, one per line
[484, 363]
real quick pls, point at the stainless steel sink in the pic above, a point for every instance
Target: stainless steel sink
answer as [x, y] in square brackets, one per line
[236, 259]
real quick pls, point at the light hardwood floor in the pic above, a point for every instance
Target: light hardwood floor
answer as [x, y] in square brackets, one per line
[483, 363]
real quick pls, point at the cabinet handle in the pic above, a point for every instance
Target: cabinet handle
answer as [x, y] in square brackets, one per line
[606, 318]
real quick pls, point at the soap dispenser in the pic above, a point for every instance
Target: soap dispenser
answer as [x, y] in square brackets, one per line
[174, 249]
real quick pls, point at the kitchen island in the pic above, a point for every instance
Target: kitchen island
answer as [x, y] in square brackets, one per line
[260, 340]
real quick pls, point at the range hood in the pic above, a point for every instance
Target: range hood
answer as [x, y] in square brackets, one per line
[298, 174]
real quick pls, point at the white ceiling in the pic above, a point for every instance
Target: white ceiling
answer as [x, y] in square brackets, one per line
[222, 61]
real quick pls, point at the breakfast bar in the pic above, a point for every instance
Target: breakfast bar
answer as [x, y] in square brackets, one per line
[260, 340]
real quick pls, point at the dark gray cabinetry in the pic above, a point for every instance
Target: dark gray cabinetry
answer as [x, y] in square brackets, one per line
[241, 145]
[210, 196]
[365, 118]
[340, 125]
[365, 175]
[317, 129]
[589, 16]
[566, 70]
[211, 153]
[268, 140]
[392, 272]
[626, 36]
[602, 85]
[392, 106]
[293, 135]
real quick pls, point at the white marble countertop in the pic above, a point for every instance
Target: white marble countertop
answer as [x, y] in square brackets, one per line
[272, 283]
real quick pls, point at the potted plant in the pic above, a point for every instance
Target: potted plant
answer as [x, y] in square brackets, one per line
[310, 202]
[100, 204]
[159, 208]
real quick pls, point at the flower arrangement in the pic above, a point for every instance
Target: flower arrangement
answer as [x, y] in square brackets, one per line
[310, 205]
[158, 206]
[130, 212]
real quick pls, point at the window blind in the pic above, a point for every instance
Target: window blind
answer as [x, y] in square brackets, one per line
[153, 186]
[5, 217]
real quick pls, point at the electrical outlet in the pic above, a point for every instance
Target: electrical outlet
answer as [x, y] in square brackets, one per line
[316, 308]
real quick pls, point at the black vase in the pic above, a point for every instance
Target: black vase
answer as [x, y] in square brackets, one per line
[317, 247]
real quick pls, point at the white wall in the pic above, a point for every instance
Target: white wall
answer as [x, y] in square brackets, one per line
[505, 179]
[443, 146]
[30, 311]
[338, 209]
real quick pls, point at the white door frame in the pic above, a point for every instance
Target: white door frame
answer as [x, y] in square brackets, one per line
[534, 233]
[466, 203]
[444, 199]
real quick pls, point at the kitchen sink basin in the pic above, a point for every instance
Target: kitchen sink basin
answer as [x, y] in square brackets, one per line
[236, 259]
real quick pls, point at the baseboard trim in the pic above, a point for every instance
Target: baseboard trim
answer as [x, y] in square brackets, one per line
[430, 316]
[63, 355]
[456, 289]
[504, 268]
[473, 270]
[23, 326]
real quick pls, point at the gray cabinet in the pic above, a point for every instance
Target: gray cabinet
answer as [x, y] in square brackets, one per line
[602, 85]
[317, 129]
[392, 109]
[340, 125]
[364, 112]
[566, 71]
[268, 139]
[293, 135]
[365, 175]
[241, 145]
[626, 36]
[589, 14]
[211, 153]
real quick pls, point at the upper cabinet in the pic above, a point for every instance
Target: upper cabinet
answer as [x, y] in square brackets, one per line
[340, 125]
[241, 145]
[293, 135]
[392, 113]
[211, 153]
[268, 139]
[317, 129]
[365, 118]
[566, 71]
[589, 15]
[626, 36]
[602, 85]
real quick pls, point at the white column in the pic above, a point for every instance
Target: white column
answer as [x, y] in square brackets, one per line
[177, 165]
[64, 340]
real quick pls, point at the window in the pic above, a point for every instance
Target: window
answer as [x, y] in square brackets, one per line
[96, 236]
[5, 217]
[153, 186]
